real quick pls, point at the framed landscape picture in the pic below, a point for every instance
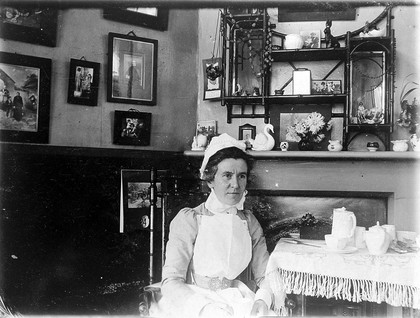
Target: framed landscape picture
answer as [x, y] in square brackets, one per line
[29, 24]
[83, 83]
[151, 17]
[132, 128]
[132, 69]
[25, 83]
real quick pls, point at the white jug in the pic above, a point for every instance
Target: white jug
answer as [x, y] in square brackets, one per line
[344, 223]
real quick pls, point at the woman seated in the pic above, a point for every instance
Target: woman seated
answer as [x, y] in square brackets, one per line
[212, 244]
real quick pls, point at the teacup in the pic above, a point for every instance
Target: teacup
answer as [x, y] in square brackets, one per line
[335, 243]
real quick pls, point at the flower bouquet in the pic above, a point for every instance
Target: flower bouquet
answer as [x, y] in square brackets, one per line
[309, 131]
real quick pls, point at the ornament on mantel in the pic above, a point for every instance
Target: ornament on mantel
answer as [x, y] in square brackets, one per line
[263, 140]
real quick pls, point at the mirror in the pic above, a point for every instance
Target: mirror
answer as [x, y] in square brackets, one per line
[367, 88]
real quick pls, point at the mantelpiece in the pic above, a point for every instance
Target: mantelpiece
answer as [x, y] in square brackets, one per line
[325, 155]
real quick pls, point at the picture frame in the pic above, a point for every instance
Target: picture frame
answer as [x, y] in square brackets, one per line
[135, 212]
[30, 25]
[207, 128]
[326, 87]
[25, 98]
[132, 128]
[212, 86]
[247, 131]
[132, 69]
[152, 18]
[83, 82]
[311, 39]
[301, 82]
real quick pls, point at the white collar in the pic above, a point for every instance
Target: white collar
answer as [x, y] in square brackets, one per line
[214, 205]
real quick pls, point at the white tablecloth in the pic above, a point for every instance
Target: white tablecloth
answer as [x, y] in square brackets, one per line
[314, 271]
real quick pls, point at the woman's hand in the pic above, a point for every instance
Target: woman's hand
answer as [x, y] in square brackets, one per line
[216, 309]
[259, 308]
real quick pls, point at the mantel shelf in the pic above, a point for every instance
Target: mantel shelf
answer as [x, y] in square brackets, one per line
[325, 155]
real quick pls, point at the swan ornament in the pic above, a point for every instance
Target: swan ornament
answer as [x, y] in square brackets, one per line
[263, 140]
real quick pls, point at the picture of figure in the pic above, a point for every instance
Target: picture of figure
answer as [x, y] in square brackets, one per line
[78, 81]
[18, 107]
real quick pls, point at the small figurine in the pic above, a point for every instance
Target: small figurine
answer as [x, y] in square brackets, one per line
[330, 40]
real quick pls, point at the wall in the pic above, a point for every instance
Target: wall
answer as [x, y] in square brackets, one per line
[83, 32]
[407, 33]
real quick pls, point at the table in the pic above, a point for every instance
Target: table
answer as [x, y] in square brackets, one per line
[314, 271]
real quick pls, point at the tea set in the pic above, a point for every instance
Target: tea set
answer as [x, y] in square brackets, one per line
[347, 237]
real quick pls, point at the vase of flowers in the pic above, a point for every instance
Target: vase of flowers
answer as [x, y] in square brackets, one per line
[309, 131]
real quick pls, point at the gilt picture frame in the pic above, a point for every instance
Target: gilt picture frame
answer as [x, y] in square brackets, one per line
[25, 84]
[132, 69]
[132, 128]
[83, 82]
[152, 18]
[30, 25]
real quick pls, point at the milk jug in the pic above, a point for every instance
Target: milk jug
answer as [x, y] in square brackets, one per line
[344, 223]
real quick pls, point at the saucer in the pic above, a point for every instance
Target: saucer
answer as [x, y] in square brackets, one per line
[346, 250]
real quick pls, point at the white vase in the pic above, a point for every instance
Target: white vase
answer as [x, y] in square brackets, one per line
[415, 142]
[400, 145]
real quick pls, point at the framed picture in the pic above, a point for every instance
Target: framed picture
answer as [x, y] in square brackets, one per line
[246, 132]
[152, 18]
[132, 69]
[83, 83]
[31, 25]
[311, 39]
[135, 211]
[25, 83]
[132, 128]
[322, 87]
[207, 128]
[212, 79]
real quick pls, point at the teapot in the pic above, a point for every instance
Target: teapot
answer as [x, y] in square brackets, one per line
[335, 145]
[377, 240]
[415, 142]
[344, 223]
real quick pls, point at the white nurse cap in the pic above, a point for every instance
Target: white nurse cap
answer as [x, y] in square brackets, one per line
[218, 143]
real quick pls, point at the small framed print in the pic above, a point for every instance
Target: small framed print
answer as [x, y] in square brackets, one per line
[24, 98]
[207, 128]
[132, 128]
[83, 83]
[311, 39]
[212, 79]
[247, 131]
[148, 17]
[326, 87]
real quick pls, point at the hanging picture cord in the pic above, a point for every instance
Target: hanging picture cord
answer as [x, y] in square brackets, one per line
[131, 33]
[83, 58]
[216, 38]
[133, 110]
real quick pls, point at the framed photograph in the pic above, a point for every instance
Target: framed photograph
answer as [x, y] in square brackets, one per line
[311, 39]
[246, 132]
[207, 128]
[212, 79]
[31, 25]
[83, 83]
[135, 211]
[25, 83]
[132, 128]
[132, 69]
[301, 82]
[152, 18]
[323, 87]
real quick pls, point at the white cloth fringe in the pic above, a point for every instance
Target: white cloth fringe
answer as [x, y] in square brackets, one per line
[356, 290]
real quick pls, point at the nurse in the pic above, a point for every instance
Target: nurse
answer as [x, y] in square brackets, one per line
[210, 245]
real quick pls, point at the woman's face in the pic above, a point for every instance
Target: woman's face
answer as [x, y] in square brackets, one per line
[230, 180]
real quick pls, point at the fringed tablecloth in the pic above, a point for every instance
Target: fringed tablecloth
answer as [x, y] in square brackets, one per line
[314, 271]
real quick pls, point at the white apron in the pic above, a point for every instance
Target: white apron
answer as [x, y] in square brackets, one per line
[223, 248]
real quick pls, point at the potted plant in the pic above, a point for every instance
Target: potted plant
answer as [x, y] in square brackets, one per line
[313, 228]
[409, 115]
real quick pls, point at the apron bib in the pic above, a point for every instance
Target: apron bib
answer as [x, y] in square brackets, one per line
[223, 246]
